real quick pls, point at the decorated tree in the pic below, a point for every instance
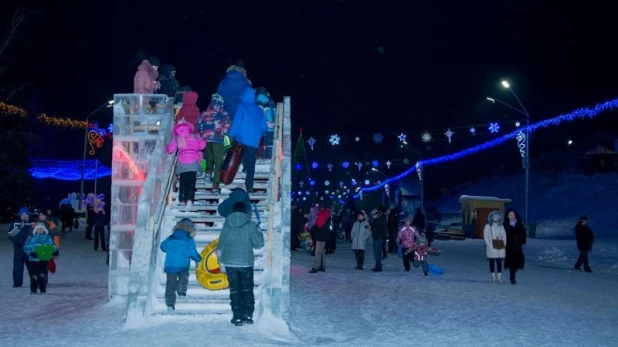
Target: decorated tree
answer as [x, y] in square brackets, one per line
[302, 185]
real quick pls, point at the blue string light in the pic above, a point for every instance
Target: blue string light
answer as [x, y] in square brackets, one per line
[67, 170]
[582, 113]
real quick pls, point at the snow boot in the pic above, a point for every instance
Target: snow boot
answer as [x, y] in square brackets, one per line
[247, 320]
[313, 271]
[170, 308]
[493, 278]
[237, 321]
[499, 277]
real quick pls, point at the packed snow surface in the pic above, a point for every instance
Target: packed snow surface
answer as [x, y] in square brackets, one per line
[551, 305]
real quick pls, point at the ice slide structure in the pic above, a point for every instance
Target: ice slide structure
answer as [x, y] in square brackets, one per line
[144, 211]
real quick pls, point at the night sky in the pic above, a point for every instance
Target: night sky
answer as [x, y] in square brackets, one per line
[351, 67]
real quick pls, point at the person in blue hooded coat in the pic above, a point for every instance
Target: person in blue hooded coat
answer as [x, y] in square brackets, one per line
[233, 86]
[180, 248]
[248, 127]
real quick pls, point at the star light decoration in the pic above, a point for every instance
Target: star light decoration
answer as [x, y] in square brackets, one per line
[378, 138]
[449, 134]
[312, 142]
[473, 131]
[402, 137]
[494, 128]
[330, 167]
[315, 165]
[426, 137]
[345, 164]
[334, 139]
[327, 183]
[388, 164]
[360, 165]
[375, 163]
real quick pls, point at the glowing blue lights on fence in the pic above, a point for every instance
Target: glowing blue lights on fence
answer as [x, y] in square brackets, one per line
[582, 113]
[67, 170]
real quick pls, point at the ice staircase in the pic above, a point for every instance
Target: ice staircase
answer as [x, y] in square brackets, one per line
[203, 213]
[136, 264]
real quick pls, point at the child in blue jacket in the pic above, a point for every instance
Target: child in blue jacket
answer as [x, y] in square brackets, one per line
[180, 249]
[38, 267]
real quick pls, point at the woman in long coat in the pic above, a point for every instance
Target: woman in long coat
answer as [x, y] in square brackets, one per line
[516, 238]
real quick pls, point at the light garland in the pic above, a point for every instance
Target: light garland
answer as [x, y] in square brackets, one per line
[68, 170]
[582, 113]
[521, 143]
[43, 118]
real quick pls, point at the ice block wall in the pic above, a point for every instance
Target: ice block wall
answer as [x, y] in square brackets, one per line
[138, 121]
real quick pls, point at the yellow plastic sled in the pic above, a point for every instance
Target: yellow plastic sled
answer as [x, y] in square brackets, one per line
[208, 272]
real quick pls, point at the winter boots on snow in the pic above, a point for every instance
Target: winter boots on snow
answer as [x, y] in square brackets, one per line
[496, 278]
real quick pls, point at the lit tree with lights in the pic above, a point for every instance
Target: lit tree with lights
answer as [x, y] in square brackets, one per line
[301, 173]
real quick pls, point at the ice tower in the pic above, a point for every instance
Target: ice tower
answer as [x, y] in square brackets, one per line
[144, 211]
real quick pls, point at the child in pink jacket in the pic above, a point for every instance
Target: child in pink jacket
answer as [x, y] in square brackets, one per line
[406, 238]
[189, 146]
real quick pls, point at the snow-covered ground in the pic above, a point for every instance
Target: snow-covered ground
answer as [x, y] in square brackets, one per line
[550, 306]
[556, 200]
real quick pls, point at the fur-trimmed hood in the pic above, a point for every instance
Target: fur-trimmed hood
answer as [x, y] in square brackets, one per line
[186, 225]
[490, 218]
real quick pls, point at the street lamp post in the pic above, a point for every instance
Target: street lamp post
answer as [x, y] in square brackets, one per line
[81, 190]
[523, 111]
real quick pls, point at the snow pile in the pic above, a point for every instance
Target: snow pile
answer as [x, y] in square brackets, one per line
[553, 256]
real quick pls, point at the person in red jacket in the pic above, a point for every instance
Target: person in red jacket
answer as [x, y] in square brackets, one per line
[321, 236]
[145, 80]
[189, 110]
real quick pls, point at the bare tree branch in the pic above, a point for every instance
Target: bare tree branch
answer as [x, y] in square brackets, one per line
[18, 19]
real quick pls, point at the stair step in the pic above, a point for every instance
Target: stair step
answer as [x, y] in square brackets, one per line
[202, 295]
[209, 209]
[202, 316]
[181, 307]
[258, 277]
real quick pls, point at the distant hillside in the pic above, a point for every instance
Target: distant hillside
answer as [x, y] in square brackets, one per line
[556, 200]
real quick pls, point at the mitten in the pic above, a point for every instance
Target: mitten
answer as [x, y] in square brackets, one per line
[56, 252]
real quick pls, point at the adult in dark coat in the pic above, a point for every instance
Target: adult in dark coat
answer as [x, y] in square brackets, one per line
[515, 239]
[321, 236]
[379, 230]
[585, 239]
[167, 79]
[296, 226]
[18, 233]
[393, 229]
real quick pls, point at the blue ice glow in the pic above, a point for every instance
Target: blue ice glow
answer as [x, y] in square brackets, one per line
[582, 113]
[67, 170]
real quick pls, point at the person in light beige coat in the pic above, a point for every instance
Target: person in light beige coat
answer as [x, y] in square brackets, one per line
[494, 231]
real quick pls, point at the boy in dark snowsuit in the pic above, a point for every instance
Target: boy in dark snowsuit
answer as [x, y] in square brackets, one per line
[99, 222]
[179, 249]
[238, 238]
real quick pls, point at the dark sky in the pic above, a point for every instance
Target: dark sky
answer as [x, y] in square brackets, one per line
[440, 58]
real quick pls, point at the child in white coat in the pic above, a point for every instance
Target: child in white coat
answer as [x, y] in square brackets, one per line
[495, 244]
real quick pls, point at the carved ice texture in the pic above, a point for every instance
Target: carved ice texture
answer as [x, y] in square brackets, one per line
[142, 126]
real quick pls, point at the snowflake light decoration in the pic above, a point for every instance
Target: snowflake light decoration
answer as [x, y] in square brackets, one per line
[378, 138]
[360, 165]
[110, 128]
[327, 183]
[449, 134]
[406, 161]
[388, 164]
[494, 128]
[426, 137]
[517, 124]
[334, 139]
[308, 192]
[326, 192]
[367, 182]
[357, 139]
[312, 183]
[315, 165]
[354, 182]
[345, 164]
[298, 167]
[375, 163]
[402, 137]
[473, 131]
[330, 167]
[312, 142]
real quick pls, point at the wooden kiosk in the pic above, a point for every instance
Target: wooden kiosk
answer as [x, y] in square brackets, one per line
[476, 209]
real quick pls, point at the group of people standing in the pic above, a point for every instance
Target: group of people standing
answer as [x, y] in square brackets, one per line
[237, 113]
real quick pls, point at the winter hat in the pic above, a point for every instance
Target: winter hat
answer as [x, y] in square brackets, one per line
[240, 64]
[240, 67]
[38, 226]
[24, 210]
[154, 61]
[187, 225]
[43, 211]
[583, 218]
